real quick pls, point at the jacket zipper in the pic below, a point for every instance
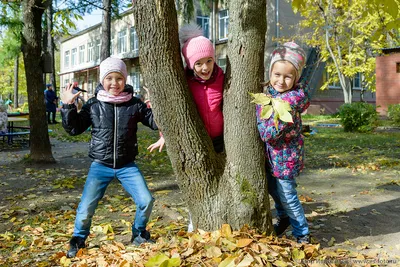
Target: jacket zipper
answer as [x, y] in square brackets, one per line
[115, 135]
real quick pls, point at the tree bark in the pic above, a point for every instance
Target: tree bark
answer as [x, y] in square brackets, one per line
[32, 51]
[106, 30]
[16, 73]
[219, 188]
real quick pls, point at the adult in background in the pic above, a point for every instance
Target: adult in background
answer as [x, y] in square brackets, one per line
[51, 103]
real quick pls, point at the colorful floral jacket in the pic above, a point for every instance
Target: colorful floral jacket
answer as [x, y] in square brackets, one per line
[285, 145]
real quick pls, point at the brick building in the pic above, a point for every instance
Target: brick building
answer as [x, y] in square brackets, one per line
[387, 79]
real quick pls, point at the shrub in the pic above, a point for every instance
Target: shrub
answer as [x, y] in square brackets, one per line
[394, 113]
[358, 117]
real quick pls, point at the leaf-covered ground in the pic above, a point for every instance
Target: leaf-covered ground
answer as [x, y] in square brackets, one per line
[350, 191]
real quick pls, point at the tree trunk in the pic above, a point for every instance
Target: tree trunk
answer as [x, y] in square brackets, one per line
[219, 188]
[106, 30]
[50, 45]
[31, 47]
[16, 73]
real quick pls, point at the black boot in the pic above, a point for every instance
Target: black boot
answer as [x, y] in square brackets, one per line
[53, 116]
[305, 239]
[281, 226]
[144, 237]
[75, 244]
[48, 118]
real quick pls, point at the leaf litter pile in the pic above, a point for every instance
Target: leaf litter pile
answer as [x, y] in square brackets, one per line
[44, 242]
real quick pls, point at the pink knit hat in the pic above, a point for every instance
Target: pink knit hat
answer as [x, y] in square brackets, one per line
[194, 45]
[291, 52]
[112, 64]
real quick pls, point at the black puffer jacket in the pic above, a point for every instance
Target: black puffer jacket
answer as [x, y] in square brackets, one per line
[114, 127]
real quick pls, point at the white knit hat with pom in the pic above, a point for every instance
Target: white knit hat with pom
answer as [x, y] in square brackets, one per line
[112, 64]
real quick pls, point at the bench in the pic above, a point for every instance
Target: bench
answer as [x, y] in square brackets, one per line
[10, 135]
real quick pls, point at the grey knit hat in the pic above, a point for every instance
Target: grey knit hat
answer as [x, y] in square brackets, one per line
[291, 52]
[112, 64]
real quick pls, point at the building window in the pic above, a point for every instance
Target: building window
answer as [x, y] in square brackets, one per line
[112, 45]
[221, 62]
[398, 67]
[97, 50]
[90, 52]
[90, 87]
[74, 55]
[135, 81]
[134, 41]
[223, 22]
[122, 41]
[66, 82]
[357, 81]
[204, 22]
[81, 54]
[66, 59]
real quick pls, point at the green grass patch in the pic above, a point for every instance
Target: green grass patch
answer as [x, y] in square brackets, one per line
[332, 147]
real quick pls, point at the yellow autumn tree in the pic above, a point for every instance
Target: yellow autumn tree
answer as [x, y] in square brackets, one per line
[349, 35]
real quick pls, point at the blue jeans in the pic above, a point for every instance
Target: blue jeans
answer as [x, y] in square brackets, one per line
[98, 179]
[287, 204]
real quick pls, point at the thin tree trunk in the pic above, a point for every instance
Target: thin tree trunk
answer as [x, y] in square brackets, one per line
[50, 46]
[106, 30]
[32, 49]
[16, 73]
[219, 188]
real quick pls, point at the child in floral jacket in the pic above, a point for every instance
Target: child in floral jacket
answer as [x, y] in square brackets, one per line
[284, 143]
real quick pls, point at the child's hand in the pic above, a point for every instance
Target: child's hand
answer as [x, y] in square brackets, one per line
[160, 143]
[68, 97]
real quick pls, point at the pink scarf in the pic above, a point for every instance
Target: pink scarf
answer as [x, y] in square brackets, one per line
[104, 96]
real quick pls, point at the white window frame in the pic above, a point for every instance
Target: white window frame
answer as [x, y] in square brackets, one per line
[97, 49]
[81, 54]
[204, 23]
[135, 81]
[74, 54]
[122, 40]
[66, 59]
[112, 41]
[134, 40]
[90, 54]
[223, 24]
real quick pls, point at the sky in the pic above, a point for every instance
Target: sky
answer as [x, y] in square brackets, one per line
[89, 20]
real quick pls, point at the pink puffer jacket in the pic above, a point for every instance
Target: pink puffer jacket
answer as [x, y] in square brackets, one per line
[208, 98]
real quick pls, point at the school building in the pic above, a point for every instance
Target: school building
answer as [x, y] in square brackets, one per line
[80, 53]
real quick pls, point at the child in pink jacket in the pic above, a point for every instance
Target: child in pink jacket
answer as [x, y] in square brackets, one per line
[206, 82]
[205, 79]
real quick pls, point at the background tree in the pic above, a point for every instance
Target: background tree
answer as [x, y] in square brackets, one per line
[11, 44]
[349, 35]
[219, 188]
[106, 30]
[32, 51]
[50, 45]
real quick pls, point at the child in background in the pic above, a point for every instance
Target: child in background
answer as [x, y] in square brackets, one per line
[205, 79]
[113, 115]
[285, 145]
